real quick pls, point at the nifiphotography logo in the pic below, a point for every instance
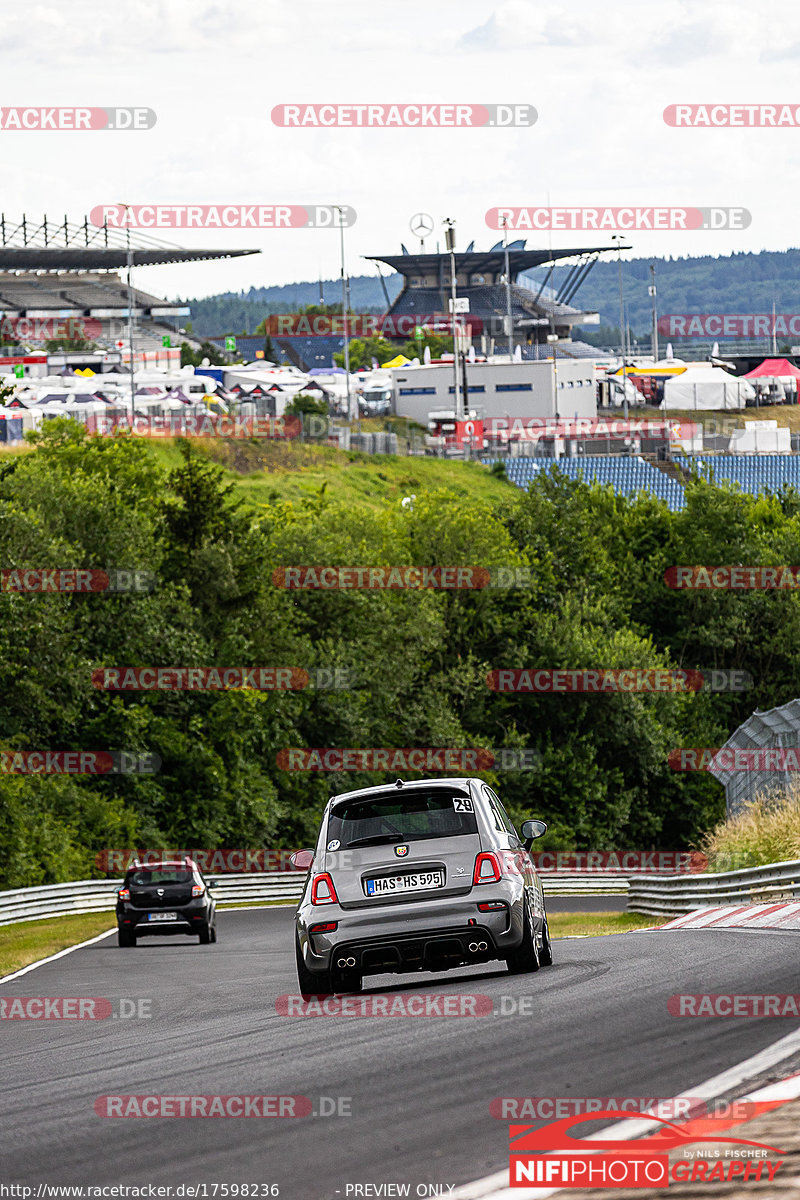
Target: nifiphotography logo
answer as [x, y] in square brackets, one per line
[552, 1156]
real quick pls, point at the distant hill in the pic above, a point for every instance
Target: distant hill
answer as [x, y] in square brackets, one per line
[241, 312]
[735, 283]
[746, 283]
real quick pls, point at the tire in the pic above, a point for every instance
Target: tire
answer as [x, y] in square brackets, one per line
[126, 938]
[214, 933]
[311, 984]
[546, 952]
[205, 935]
[525, 958]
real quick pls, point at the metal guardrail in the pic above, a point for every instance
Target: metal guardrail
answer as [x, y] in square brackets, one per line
[99, 895]
[596, 883]
[675, 894]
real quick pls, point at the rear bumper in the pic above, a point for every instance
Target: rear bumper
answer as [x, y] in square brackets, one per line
[191, 919]
[412, 937]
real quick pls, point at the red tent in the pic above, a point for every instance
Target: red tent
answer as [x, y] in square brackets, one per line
[774, 368]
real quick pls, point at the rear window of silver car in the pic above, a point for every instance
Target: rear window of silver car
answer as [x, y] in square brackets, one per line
[402, 817]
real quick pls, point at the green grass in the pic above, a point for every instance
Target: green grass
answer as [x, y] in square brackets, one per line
[264, 471]
[597, 923]
[28, 941]
[271, 471]
[766, 830]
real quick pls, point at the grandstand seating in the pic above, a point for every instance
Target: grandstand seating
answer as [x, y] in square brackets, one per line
[422, 300]
[72, 291]
[563, 350]
[626, 475]
[755, 473]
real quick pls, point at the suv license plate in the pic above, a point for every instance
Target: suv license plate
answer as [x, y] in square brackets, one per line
[162, 916]
[424, 881]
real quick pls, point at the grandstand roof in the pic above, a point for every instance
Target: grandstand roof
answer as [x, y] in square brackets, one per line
[484, 261]
[55, 258]
[49, 245]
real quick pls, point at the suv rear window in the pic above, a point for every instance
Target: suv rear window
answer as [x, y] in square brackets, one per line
[398, 817]
[147, 876]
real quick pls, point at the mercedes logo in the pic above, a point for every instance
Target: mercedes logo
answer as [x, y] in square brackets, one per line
[421, 224]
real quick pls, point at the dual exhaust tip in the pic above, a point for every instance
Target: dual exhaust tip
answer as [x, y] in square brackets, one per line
[474, 948]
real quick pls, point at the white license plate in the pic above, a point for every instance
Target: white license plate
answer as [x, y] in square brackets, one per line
[162, 916]
[423, 881]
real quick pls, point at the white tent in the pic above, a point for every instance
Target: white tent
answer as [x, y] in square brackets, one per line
[700, 388]
[761, 437]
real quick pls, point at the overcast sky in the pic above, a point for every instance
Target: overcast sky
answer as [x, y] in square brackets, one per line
[599, 75]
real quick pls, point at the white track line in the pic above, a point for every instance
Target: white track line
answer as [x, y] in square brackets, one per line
[495, 1186]
[61, 954]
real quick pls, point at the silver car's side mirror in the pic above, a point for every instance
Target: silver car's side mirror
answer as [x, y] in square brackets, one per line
[301, 860]
[533, 829]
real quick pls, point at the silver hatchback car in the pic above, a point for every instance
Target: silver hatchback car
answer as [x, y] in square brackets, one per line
[420, 876]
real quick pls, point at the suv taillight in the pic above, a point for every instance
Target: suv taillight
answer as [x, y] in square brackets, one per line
[123, 894]
[198, 890]
[487, 868]
[323, 891]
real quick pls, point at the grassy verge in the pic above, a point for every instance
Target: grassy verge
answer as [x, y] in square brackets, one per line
[28, 941]
[265, 471]
[269, 471]
[767, 830]
[597, 923]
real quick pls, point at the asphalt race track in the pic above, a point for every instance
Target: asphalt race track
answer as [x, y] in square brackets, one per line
[420, 1088]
